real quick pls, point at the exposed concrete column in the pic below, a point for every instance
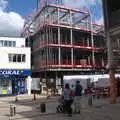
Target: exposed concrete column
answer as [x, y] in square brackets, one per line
[29, 80]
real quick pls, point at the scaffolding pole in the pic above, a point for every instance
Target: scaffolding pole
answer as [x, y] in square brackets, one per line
[71, 38]
[92, 40]
[59, 49]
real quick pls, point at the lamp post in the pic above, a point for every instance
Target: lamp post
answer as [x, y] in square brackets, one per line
[111, 68]
[110, 24]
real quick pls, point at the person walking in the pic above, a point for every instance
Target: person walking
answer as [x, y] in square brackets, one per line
[67, 99]
[78, 94]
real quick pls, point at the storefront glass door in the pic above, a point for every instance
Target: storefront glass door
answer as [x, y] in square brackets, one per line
[19, 86]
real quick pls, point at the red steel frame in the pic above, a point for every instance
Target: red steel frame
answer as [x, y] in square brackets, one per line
[69, 45]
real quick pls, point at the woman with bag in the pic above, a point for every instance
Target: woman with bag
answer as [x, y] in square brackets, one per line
[68, 99]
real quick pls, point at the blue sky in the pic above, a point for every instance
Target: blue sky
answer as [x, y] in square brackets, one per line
[22, 7]
[12, 13]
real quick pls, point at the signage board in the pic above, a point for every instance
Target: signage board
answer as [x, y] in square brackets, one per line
[15, 72]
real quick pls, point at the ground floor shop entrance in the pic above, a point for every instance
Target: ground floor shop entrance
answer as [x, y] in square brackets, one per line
[14, 81]
[12, 85]
[19, 86]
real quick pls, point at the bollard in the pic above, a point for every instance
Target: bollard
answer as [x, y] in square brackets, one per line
[12, 111]
[43, 107]
[90, 101]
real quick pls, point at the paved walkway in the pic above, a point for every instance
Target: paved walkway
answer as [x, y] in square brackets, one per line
[26, 109]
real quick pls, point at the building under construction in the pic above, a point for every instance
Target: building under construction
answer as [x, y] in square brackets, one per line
[64, 41]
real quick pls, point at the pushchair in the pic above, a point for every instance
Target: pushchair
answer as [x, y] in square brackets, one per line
[61, 106]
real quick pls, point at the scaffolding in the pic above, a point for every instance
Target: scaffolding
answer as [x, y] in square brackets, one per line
[66, 37]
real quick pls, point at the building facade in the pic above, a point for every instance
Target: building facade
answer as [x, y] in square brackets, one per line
[64, 41]
[112, 30]
[15, 66]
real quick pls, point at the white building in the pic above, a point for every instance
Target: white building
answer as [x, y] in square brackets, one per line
[15, 66]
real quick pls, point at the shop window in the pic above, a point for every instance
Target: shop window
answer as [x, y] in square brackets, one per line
[5, 86]
[16, 57]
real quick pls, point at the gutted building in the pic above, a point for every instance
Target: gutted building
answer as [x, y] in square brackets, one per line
[64, 41]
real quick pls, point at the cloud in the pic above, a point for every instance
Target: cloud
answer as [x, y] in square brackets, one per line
[3, 4]
[10, 22]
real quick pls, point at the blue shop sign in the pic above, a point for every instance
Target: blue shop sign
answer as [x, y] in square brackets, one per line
[15, 72]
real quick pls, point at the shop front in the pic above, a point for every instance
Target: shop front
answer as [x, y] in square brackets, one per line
[13, 82]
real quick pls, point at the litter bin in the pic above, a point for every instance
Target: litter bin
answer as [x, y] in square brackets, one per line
[43, 107]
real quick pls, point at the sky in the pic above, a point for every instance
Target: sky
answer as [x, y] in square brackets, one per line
[12, 13]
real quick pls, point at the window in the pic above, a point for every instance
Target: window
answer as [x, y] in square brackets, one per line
[1, 43]
[10, 56]
[19, 58]
[14, 43]
[16, 57]
[23, 58]
[7, 43]
[10, 43]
